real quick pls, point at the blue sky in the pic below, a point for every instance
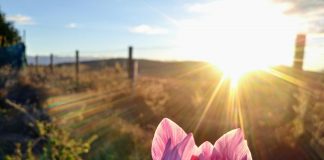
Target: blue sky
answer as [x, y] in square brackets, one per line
[105, 28]
[60, 26]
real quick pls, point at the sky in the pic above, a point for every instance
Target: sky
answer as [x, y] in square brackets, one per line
[221, 31]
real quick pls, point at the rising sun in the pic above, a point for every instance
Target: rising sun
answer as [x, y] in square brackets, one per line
[239, 36]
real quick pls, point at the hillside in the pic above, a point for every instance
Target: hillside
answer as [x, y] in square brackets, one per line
[124, 115]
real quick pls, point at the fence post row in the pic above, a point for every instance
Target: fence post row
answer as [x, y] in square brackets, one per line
[77, 67]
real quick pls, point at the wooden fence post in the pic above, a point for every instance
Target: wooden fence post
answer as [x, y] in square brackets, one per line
[52, 63]
[36, 63]
[77, 67]
[299, 51]
[136, 66]
[130, 63]
[132, 69]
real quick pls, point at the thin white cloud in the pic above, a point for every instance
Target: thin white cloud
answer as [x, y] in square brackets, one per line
[148, 30]
[71, 25]
[311, 11]
[20, 19]
[201, 7]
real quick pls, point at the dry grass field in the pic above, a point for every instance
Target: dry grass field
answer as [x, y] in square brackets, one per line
[282, 118]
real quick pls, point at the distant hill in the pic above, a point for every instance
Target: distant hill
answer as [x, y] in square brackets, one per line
[151, 67]
[45, 60]
[306, 79]
[159, 68]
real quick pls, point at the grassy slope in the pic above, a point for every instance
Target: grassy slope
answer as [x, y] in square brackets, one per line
[180, 91]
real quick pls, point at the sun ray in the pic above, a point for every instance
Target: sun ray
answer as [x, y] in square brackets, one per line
[217, 88]
[231, 106]
[240, 114]
[200, 68]
[286, 77]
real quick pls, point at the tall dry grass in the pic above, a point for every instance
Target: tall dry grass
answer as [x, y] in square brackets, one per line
[124, 119]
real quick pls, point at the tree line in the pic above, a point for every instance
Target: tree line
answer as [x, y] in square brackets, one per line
[9, 35]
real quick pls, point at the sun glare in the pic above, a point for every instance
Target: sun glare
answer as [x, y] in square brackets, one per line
[235, 72]
[239, 36]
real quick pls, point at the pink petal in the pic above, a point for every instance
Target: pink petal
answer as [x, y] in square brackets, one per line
[206, 151]
[194, 158]
[243, 152]
[232, 146]
[182, 151]
[166, 137]
[195, 153]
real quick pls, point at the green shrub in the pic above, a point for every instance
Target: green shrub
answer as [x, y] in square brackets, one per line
[51, 143]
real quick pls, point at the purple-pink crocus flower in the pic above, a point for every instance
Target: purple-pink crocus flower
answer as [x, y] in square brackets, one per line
[170, 142]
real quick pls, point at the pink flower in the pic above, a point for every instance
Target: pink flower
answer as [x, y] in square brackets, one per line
[170, 142]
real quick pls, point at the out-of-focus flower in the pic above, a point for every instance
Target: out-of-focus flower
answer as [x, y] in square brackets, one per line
[170, 142]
